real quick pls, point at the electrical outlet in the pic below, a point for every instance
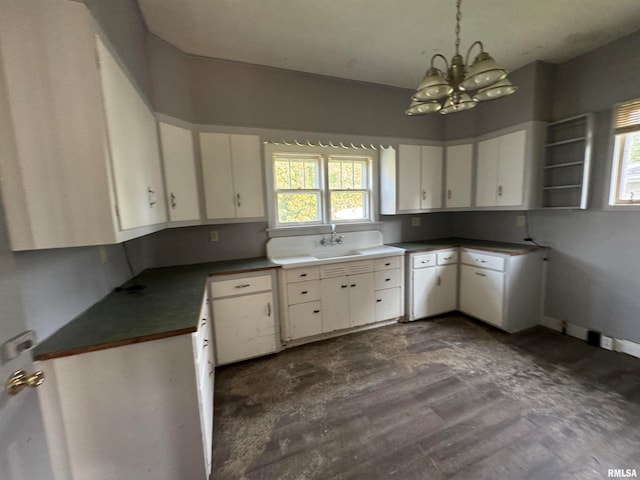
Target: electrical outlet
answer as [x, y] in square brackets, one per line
[520, 221]
[102, 253]
[213, 235]
[606, 342]
[415, 221]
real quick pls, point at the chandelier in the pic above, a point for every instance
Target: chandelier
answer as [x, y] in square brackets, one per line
[463, 87]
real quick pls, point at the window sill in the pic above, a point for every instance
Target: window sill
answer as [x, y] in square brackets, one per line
[623, 207]
[322, 229]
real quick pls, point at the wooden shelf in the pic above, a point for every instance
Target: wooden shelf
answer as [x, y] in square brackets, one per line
[564, 165]
[566, 142]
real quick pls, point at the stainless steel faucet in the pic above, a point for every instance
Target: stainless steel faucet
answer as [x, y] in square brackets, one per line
[335, 239]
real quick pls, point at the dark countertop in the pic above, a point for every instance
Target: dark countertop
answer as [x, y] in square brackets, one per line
[168, 306]
[440, 243]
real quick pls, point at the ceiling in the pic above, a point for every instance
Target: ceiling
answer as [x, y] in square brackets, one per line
[388, 42]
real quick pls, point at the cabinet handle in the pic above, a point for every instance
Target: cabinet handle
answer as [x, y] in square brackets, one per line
[151, 194]
[20, 380]
[210, 367]
[205, 343]
[204, 322]
[425, 261]
[303, 274]
[480, 260]
[316, 311]
[243, 286]
[303, 292]
[449, 194]
[439, 281]
[344, 286]
[238, 200]
[424, 195]
[387, 264]
[173, 200]
[447, 258]
[387, 279]
[269, 309]
[353, 284]
[499, 190]
[378, 300]
[480, 274]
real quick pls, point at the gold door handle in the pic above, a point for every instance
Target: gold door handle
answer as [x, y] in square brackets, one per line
[19, 380]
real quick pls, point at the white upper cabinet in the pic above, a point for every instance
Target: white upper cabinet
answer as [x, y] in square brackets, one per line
[458, 181]
[233, 181]
[180, 173]
[413, 182]
[78, 143]
[501, 168]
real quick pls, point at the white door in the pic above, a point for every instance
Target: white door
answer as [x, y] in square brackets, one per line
[409, 159]
[388, 303]
[459, 163]
[247, 175]
[424, 292]
[217, 175]
[431, 175]
[447, 287]
[362, 299]
[23, 447]
[482, 294]
[487, 178]
[305, 320]
[511, 168]
[180, 173]
[335, 303]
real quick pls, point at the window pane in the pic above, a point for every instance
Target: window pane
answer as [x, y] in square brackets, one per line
[345, 174]
[297, 174]
[298, 207]
[281, 172]
[349, 205]
[311, 175]
[334, 175]
[629, 189]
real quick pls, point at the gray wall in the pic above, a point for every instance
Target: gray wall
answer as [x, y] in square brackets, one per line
[593, 266]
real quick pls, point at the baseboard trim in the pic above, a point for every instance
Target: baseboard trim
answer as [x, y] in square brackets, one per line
[619, 345]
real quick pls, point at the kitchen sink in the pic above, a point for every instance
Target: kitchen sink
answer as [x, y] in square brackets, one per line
[333, 254]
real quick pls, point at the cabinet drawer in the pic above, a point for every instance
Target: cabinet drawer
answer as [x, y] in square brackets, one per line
[301, 292]
[303, 274]
[240, 286]
[422, 260]
[483, 261]
[447, 258]
[388, 263]
[387, 279]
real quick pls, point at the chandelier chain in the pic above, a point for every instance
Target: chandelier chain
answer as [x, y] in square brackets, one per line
[458, 18]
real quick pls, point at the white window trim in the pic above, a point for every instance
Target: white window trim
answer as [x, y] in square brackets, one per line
[615, 146]
[305, 229]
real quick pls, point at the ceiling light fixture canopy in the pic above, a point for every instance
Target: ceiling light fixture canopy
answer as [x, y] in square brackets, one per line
[463, 86]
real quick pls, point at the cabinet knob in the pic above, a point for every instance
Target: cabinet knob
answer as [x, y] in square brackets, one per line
[152, 197]
[424, 195]
[449, 194]
[303, 274]
[353, 284]
[343, 286]
[379, 300]
[204, 322]
[500, 190]
[316, 311]
[304, 292]
[173, 200]
[19, 380]
[269, 309]
[238, 203]
[387, 264]
[387, 279]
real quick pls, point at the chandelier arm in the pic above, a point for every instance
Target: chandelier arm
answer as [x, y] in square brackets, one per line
[477, 42]
[443, 58]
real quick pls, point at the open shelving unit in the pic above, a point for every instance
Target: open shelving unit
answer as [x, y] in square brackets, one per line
[567, 162]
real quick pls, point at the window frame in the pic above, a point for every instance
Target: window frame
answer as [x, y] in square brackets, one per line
[318, 191]
[273, 150]
[620, 138]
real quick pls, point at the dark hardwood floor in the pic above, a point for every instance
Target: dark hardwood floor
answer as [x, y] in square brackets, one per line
[444, 398]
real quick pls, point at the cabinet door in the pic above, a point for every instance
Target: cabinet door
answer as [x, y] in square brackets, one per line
[431, 177]
[487, 178]
[511, 168]
[459, 162]
[447, 289]
[423, 295]
[180, 173]
[361, 299]
[388, 303]
[409, 188]
[305, 320]
[247, 175]
[335, 303]
[244, 327]
[482, 294]
[126, 116]
[217, 176]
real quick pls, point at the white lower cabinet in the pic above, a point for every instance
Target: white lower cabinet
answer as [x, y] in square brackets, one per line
[142, 411]
[339, 296]
[500, 289]
[244, 316]
[434, 283]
